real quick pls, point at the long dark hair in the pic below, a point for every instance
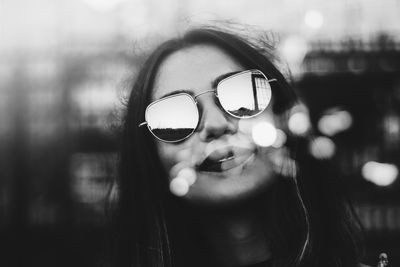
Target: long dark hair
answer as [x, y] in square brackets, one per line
[311, 226]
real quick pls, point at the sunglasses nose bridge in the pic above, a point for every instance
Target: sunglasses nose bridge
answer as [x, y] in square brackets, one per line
[202, 93]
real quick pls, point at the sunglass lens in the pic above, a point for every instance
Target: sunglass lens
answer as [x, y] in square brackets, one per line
[173, 118]
[245, 94]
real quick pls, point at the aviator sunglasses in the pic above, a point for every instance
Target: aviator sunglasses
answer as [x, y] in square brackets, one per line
[242, 95]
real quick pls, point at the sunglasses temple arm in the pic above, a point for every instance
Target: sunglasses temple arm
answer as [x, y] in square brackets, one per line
[272, 80]
[142, 124]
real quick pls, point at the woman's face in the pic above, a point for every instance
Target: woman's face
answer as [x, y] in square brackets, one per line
[236, 168]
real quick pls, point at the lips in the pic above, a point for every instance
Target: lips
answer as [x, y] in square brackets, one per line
[224, 159]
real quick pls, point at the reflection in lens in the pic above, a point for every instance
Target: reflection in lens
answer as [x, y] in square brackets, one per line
[172, 118]
[245, 94]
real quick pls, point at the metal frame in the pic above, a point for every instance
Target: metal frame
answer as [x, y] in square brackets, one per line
[194, 99]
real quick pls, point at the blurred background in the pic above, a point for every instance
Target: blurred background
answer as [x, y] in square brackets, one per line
[65, 66]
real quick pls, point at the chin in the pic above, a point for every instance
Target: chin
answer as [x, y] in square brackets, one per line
[233, 186]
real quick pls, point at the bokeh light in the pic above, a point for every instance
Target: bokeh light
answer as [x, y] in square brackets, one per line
[264, 134]
[179, 187]
[280, 139]
[322, 148]
[381, 174]
[334, 122]
[299, 123]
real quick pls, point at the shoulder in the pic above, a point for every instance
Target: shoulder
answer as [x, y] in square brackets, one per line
[363, 265]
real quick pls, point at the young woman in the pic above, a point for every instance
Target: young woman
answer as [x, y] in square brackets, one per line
[197, 187]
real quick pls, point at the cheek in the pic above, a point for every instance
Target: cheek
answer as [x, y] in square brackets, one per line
[167, 155]
[177, 154]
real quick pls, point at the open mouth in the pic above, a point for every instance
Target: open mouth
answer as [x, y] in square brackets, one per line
[229, 159]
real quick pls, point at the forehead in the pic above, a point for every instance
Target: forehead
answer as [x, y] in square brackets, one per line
[193, 69]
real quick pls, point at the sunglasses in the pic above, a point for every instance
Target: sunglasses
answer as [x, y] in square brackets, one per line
[175, 118]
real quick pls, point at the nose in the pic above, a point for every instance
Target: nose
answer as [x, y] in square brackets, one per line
[215, 122]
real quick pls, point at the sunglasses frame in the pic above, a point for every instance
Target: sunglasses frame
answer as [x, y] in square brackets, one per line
[194, 99]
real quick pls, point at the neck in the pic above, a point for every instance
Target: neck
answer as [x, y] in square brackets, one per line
[237, 237]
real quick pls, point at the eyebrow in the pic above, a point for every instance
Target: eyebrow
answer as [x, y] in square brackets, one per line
[214, 84]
